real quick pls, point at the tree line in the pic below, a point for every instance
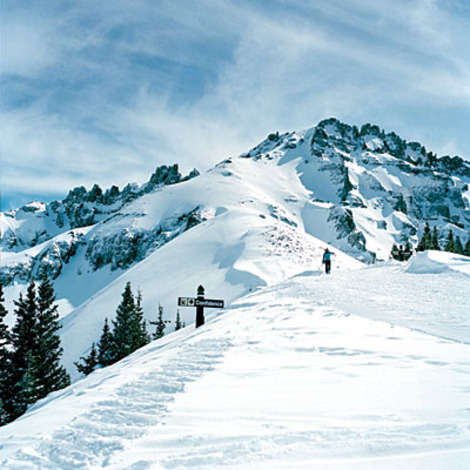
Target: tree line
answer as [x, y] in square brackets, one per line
[30, 352]
[430, 241]
[127, 333]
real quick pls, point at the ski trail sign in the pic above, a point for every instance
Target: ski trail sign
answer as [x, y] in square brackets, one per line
[186, 302]
[200, 303]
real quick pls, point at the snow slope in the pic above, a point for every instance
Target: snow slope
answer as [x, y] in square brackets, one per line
[252, 237]
[249, 222]
[294, 375]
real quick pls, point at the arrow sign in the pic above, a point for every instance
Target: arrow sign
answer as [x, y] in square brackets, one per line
[209, 303]
[186, 302]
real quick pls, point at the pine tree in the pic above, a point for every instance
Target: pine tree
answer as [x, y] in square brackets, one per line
[425, 242]
[88, 364]
[4, 333]
[29, 390]
[23, 334]
[160, 324]
[450, 246]
[394, 253]
[24, 342]
[458, 246]
[408, 252]
[4, 416]
[435, 239]
[178, 323]
[122, 325]
[5, 361]
[51, 375]
[466, 250]
[105, 346]
[139, 335]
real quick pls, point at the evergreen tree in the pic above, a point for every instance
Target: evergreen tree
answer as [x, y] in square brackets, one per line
[24, 342]
[122, 325]
[450, 246]
[4, 417]
[139, 335]
[178, 323]
[458, 246]
[28, 388]
[394, 253]
[5, 361]
[408, 252]
[426, 242]
[88, 364]
[51, 375]
[466, 250]
[160, 324]
[435, 239]
[4, 333]
[23, 334]
[105, 346]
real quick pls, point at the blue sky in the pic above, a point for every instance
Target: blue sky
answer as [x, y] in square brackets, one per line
[105, 91]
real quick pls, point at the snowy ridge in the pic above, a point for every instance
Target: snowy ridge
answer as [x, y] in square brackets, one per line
[284, 378]
[249, 222]
[301, 369]
[368, 189]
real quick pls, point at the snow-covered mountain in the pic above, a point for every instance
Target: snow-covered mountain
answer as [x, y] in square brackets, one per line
[249, 222]
[368, 189]
[366, 369]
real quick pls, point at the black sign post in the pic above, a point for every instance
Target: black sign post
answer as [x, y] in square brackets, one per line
[199, 308]
[200, 302]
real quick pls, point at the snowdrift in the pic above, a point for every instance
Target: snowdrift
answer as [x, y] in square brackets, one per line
[437, 262]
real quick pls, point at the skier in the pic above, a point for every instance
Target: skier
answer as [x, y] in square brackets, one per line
[327, 260]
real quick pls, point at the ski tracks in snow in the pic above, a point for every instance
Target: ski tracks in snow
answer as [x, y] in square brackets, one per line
[134, 409]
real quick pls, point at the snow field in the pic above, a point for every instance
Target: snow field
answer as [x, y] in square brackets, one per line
[284, 378]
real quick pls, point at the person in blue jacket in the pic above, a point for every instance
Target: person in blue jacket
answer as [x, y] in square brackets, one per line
[327, 260]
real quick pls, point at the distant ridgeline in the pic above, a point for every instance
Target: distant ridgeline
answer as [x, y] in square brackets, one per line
[63, 227]
[370, 190]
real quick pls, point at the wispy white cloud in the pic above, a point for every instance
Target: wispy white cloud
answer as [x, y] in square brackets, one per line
[104, 92]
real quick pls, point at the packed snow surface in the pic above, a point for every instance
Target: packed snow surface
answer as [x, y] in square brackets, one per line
[366, 369]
